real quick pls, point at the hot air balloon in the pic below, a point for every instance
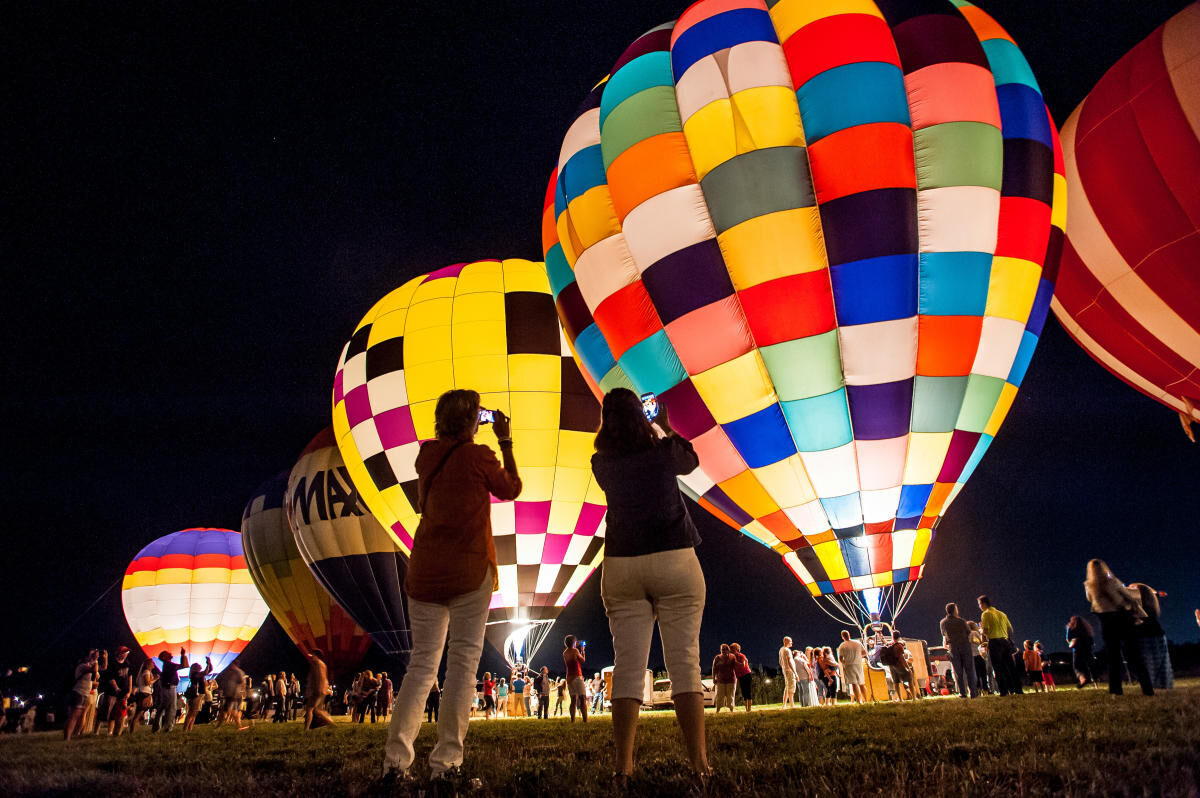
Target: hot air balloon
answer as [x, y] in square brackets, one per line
[824, 234]
[191, 589]
[301, 605]
[489, 326]
[345, 547]
[1129, 285]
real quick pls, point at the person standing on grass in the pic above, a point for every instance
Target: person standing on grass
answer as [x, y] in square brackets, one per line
[1033, 667]
[316, 687]
[1153, 639]
[87, 673]
[560, 691]
[142, 700]
[651, 572]
[744, 675]
[168, 690]
[451, 575]
[118, 684]
[1047, 676]
[1001, 650]
[1081, 641]
[956, 637]
[543, 683]
[829, 676]
[1119, 610]
[194, 695]
[724, 679]
[893, 658]
[597, 695]
[804, 685]
[489, 690]
[383, 703]
[853, 657]
[574, 657]
[787, 670]
[433, 702]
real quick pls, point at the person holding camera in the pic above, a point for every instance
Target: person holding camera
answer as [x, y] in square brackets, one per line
[574, 657]
[650, 568]
[451, 575]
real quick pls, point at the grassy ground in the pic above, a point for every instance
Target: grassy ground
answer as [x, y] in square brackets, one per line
[1069, 742]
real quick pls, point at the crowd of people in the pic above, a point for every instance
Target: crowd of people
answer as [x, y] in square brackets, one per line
[651, 578]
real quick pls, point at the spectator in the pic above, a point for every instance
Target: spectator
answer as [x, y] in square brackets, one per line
[956, 636]
[231, 683]
[1153, 639]
[597, 694]
[502, 697]
[117, 681]
[804, 683]
[651, 573]
[489, 698]
[1081, 642]
[829, 677]
[142, 700]
[724, 678]
[1047, 676]
[168, 690]
[745, 678]
[560, 691]
[316, 688]
[1001, 650]
[87, 673]
[385, 696]
[1118, 609]
[574, 657]
[787, 670]
[853, 658]
[195, 693]
[979, 655]
[543, 683]
[1033, 667]
[527, 696]
[893, 657]
[451, 574]
[432, 702]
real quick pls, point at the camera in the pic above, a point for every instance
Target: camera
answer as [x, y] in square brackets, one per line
[486, 416]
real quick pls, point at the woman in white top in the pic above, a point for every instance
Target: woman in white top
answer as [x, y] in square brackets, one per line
[1119, 611]
[804, 686]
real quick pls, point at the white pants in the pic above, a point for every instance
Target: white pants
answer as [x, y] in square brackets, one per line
[462, 620]
[667, 586]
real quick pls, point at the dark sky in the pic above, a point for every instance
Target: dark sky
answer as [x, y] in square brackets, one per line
[202, 200]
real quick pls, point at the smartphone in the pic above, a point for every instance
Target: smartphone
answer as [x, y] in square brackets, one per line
[650, 406]
[486, 416]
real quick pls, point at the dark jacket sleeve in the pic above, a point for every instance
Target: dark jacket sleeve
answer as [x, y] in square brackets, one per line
[683, 455]
[501, 484]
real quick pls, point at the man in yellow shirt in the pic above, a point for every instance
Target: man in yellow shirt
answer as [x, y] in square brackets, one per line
[998, 631]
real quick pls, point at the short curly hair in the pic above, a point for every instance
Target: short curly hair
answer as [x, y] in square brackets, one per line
[456, 413]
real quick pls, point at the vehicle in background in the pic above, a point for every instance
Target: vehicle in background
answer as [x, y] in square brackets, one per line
[661, 698]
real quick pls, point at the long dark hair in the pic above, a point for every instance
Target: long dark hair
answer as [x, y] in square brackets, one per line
[456, 414]
[623, 426]
[1077, 622]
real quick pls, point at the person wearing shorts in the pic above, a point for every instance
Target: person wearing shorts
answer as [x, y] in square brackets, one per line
[489, 697]
[1033, 667]
[853, 656]
[741, 669]
[574, 657]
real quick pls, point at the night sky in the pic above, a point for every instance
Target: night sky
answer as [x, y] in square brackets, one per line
[203, 200]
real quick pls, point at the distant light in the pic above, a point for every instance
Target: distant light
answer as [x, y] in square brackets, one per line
[768, 681]
[23, 669]
[39, 696]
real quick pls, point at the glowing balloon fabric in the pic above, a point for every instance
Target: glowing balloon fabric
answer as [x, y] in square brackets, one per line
[818, 231]
[191, 589]
[345, 547]
[489, 326]
[302, 606]
[1129, 286]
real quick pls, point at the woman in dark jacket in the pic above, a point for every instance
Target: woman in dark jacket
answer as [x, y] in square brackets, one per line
[650, 569]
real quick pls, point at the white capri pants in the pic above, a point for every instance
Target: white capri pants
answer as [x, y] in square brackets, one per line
[667, 586]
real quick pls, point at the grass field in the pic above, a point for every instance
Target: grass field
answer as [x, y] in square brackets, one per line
[1069, 742]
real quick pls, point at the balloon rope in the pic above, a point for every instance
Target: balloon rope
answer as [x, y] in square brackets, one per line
[78, 618]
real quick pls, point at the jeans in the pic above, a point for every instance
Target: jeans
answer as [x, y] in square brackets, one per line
[543, 705]
[803, 692]
[459, 623]
[962, 660]
[165, 718]
[667, 586]
[1118, 631]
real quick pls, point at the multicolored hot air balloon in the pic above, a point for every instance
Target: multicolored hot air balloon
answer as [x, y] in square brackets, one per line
[301, 605]
[345, 547]
[825, 234]
[191, 589]
[489, 326]
[1129, 286]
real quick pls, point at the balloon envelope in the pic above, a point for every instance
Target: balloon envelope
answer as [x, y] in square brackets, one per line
[301, 605]
[191, 589]
[345, 547]
[489, 326]
[1129, 286]
[818, 232]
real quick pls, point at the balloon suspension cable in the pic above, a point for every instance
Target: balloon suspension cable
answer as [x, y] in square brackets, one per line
[523, 642]
[906, 594]
[860, 607]
[79, 617]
